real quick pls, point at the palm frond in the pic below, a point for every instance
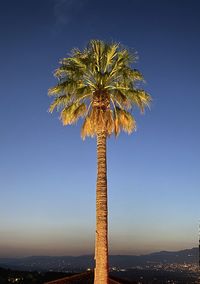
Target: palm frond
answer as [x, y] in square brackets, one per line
[121, 99]
[72, 113]
[110, 54]
[140, 98]
[97, 48]
[87, 128]
[126, 120]
[66, 86]
[59, 102]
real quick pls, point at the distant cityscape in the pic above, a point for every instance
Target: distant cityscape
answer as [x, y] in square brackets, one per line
[161, 267]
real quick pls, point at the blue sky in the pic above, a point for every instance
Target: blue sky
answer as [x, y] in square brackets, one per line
[48, 174]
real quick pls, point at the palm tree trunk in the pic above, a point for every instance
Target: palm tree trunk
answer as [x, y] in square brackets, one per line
[101, 243]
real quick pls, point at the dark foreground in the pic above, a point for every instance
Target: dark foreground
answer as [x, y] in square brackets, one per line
[132, 276]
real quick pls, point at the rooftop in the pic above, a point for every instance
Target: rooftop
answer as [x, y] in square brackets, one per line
[82, 278]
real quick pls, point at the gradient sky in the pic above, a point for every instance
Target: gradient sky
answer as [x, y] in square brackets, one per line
[48, 174]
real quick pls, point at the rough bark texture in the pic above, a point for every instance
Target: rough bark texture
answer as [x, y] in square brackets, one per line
[101, 245]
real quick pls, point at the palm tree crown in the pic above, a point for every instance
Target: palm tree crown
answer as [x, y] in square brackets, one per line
[99, 84]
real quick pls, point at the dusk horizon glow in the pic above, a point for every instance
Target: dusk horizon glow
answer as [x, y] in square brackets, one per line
[48, 174]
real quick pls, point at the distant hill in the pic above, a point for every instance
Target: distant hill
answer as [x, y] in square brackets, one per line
[79, 263]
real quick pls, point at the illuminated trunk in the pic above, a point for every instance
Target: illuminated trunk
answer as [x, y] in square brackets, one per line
[101, 243]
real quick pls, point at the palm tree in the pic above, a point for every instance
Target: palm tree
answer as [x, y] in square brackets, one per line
[99, 85]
